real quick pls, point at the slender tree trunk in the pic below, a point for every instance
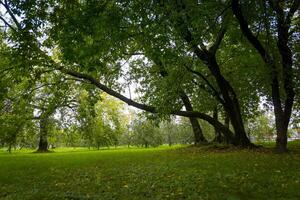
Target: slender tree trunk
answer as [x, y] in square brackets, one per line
[43, 141]
[226, 121]
[227, 125]
[9, 148]
[169, 140]
[219, 138]
[198, 133]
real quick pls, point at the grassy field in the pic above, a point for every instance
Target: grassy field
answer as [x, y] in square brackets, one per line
[155, 173]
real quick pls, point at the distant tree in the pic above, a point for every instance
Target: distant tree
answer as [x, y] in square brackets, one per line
[100, 122]
[146, 133]
[261, 128]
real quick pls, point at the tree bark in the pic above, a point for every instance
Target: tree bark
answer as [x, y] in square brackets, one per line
[198, 133]
[281, 139]
[226, 121]
[43, 140]
[230, 104]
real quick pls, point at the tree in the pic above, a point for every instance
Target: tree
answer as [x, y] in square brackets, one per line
[186, 42]
[278, 39]
[101, 122]
[261, 128]
[179, 33]
[146, 133]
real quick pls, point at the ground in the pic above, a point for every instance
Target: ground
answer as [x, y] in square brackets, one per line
[156, 173]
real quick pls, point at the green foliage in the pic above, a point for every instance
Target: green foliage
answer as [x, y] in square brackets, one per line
[101, 122]
[261, 128]
[149, 43]
[146, 133]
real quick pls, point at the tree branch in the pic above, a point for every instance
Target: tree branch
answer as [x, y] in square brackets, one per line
[215, 92]
[213, 49]
[145, 107]
[295, 6]
[7, 24]
[237, 11]
[5, 4]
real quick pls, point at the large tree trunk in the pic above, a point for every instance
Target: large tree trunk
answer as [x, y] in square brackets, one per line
[283, 20]
[230, 104]
[226, 94]
[283, 114]
[43, 140]
[198, 133]
[227, 125]
[281, 139]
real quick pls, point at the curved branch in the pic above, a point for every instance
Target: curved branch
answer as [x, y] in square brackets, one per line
[145, 107]
[214, 90]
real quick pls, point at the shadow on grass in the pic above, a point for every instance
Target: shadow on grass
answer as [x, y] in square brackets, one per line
[293, 148]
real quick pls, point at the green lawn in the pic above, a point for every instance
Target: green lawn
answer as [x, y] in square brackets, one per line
[156, 173]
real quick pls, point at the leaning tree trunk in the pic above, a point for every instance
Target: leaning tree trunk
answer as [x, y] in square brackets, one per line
[198, 133]
[226, 94]
[43, 141]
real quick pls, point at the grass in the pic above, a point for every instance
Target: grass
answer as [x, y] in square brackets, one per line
[154, 173]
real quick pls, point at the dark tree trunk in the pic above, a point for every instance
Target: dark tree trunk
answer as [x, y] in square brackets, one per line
[281, 139]
[226, 95]
[283, 20]
[198, 133]
[9, 148]
[169, 140]
[226, 121]
[43, 141]
[227, 125]
[283, 114]
[230, 104]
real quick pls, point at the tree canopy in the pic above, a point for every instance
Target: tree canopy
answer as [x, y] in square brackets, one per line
[187, 58]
